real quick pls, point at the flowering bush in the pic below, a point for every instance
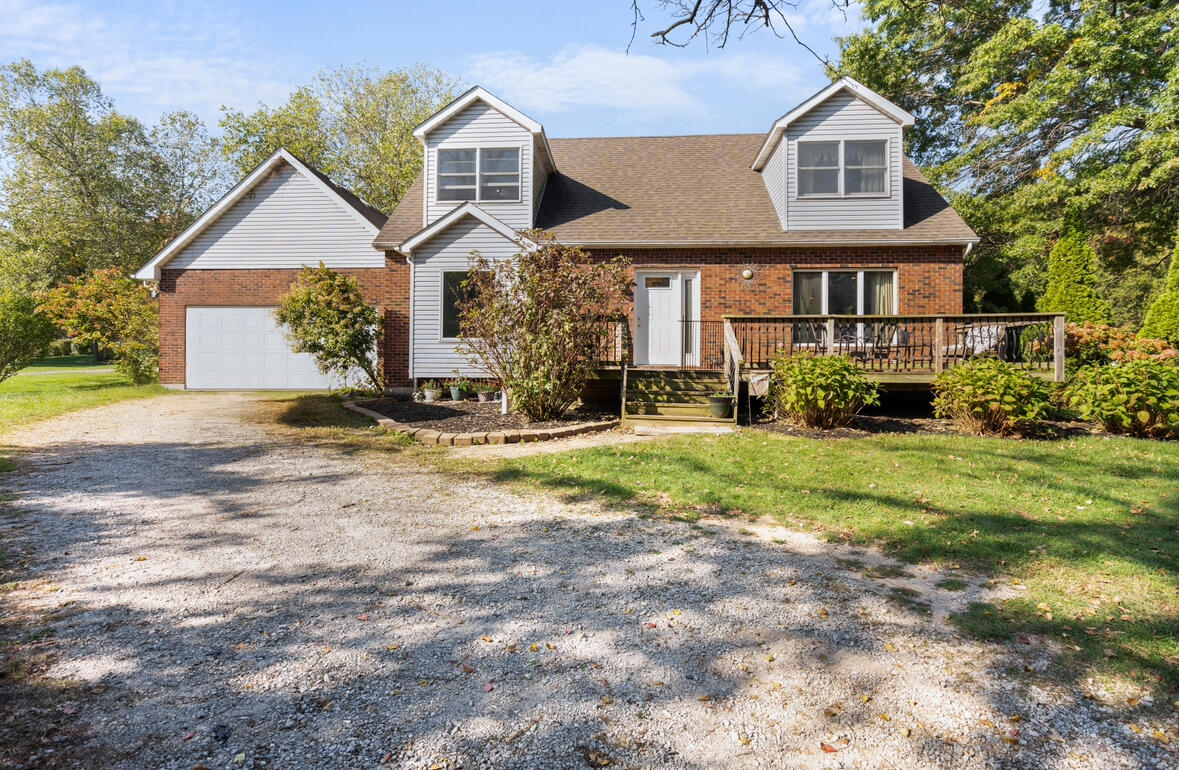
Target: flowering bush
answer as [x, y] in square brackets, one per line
[1090, 344]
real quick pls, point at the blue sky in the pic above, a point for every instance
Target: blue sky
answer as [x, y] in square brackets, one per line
[564, 63]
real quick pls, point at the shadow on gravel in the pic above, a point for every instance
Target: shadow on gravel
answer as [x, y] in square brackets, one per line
[555, 642]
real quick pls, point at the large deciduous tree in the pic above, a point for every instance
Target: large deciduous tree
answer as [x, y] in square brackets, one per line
[354, 124]
[1028, 110]
[536, 322]
[83, 187]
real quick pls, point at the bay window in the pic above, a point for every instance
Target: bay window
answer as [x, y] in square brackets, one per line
[479, 174]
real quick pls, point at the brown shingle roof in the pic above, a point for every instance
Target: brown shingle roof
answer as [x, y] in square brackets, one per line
[685, 190]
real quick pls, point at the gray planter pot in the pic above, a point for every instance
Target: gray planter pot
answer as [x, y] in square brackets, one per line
[458, 394]
[720, 407]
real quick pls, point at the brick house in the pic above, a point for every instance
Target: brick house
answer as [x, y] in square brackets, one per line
[821, 216]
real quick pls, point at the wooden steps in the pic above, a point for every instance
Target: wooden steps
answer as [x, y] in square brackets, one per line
[673, 400]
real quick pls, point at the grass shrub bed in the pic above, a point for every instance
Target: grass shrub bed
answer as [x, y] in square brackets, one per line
[1089, 527]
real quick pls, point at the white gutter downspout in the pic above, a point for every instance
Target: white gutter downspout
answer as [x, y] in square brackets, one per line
[409, 261]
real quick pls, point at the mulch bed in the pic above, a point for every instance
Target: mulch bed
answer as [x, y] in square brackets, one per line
[864, 425]
[476, 417]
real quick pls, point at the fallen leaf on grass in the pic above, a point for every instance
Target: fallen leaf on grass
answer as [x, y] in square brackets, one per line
[1161, 737]
[535, 647]
[362, 616]
[823, 613]
[488, 687]
[467, 669]
[827, 747]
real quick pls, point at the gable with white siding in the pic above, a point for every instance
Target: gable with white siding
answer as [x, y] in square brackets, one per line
[480, 125]
[287, 220]
[842, 116]
[450, 250]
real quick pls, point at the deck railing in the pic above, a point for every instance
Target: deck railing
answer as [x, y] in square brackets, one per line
[914, 344]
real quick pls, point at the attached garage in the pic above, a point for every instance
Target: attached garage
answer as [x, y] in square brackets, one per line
[242, 348]
[220, 280]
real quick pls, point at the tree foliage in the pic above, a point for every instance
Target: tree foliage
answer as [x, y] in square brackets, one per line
[326, 316]
[1026, 110]
[354, 124]
[1162, 318]
[1072, 288]
[25, 334]
[536, 322]
[110, 310]
[84, 187]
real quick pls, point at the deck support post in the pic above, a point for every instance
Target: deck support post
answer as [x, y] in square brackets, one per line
[1058, 348]
[939, 345]
[831, 337]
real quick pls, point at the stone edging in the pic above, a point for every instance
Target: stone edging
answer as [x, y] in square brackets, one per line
[431, 437]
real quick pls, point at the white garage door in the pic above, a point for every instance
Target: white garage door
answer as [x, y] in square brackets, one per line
[242, 348]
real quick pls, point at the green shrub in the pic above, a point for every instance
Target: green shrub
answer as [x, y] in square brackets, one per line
[1162, 317]
[24, 333]
[1072, 285]
[1139, 398]
[819, 391]
[989, 396]
[57, 348]
[325, 315]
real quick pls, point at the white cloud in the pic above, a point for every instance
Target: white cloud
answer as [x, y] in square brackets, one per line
[638, 87]
[178, 58]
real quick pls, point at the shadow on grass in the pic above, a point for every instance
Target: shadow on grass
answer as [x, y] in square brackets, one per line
[1090, 527]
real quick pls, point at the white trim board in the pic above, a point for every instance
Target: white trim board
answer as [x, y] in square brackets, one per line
[478, 93]
[151, 270]
[852, 86]
[439, 225]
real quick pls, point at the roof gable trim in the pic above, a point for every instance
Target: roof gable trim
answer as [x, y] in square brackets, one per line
[480, 94]
[850, 85]
[455, 215]
[151, 270]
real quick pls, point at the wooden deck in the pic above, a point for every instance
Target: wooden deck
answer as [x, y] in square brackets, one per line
[895, 351]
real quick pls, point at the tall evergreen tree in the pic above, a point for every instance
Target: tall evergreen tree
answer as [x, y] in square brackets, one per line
[1162, 318]
[1072, 284]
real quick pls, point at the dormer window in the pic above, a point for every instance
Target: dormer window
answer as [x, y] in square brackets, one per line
[844, 168]
[479, 174]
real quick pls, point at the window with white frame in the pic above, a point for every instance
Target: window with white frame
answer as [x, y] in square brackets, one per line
[479, 174]
[843, 168]
[844, 292]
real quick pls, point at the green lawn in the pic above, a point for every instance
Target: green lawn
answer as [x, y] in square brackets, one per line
[1086, 529]
[58, 385]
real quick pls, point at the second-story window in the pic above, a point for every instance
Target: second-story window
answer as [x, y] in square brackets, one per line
[483, 174]
[843, 168]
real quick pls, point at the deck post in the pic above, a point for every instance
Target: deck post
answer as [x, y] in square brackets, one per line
[939, 345]
[1058, 348]
[830, 336]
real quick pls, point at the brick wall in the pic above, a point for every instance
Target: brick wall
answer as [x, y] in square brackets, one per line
[929, 278]
[385, 288]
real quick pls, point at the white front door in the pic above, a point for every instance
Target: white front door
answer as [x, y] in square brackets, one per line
[666, 308]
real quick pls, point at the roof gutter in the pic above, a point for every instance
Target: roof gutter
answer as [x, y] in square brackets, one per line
[967, 242]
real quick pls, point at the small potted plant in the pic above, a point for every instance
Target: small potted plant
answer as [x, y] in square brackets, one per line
[459, 387]
[720, 405]
[486, 391]
[431, 391]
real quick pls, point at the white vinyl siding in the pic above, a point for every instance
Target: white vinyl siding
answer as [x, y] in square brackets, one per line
[450, 251]
[844, 118]
[480, 126]
[774, 176]
[287, 221]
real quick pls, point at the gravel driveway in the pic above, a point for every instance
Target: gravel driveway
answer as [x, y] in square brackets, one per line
[223, 595]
